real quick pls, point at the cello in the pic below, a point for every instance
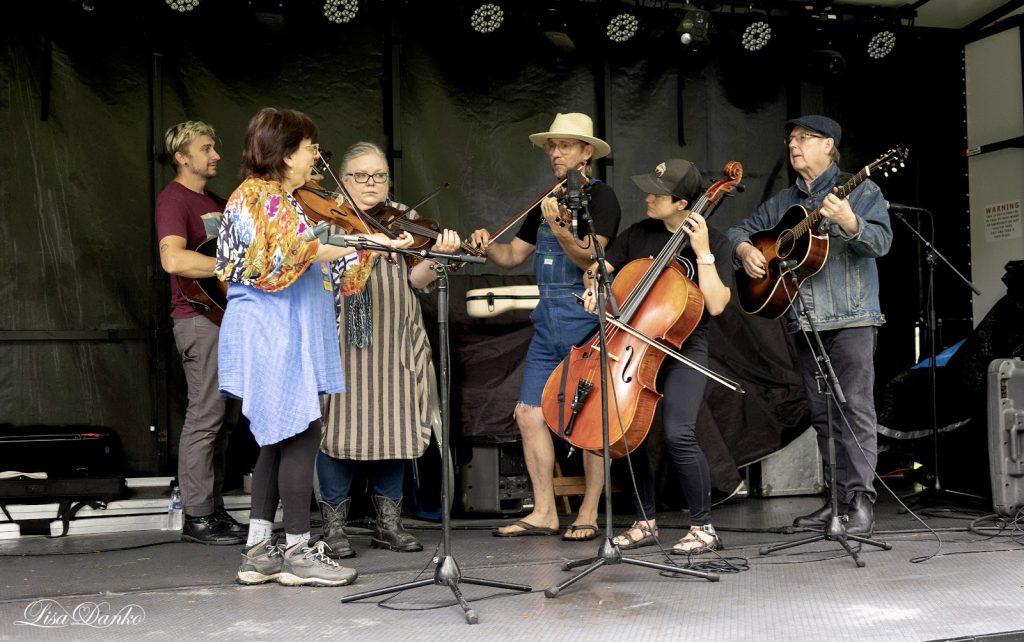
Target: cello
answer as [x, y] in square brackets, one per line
[661, 308]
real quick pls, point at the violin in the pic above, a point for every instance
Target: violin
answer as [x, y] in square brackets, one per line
[661, 308]
[424, 231]
[321, 205]
[551, 191]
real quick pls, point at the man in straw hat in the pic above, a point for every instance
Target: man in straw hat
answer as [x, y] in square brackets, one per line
[559, 259]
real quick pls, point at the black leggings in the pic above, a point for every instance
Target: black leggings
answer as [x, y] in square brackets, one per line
[683, 388]
[285, 471]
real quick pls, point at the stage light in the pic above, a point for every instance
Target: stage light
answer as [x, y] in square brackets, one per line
[341, 11]
[183, 5]
[881, 44]
[757, 35]
[487, 18]
[693, 28]
[622, 27]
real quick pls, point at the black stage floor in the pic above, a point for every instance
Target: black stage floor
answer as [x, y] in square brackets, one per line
[963, 580]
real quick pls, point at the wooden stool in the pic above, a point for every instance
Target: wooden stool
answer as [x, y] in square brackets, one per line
[566, 487]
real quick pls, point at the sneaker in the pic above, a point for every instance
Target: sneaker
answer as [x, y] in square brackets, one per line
[261, 563]
[308, 564]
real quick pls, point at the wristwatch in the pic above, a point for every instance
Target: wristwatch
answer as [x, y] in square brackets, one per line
[707, 259]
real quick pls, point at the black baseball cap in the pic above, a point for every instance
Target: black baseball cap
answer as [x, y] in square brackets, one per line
[677, 178]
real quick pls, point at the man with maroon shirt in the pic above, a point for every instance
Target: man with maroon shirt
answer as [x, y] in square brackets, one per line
[180, 228]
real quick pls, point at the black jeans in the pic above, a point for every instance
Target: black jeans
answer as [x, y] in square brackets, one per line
[851, 351]
[683, 388]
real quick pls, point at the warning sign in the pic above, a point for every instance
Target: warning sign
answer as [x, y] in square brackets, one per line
[1002, 221]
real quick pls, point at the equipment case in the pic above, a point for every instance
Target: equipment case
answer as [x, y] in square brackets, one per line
[483, 303]
[1006, 434]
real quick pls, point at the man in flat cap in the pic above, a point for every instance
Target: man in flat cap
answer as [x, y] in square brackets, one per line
[841, 300]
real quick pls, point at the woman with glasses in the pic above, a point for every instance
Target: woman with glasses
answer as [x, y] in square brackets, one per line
[277, 343]
[559, 259]
[384, 419]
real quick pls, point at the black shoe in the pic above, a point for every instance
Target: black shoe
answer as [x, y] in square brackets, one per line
[861, 518]
[234, 526]
[819, 518]
[209, 530]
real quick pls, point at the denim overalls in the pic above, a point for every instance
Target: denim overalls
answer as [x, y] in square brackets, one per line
[559, 321]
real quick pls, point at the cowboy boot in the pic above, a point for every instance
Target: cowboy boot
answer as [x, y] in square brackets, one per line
[388, 532]
[334, 529]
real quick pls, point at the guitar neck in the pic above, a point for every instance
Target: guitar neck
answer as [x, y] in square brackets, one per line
[843, 191]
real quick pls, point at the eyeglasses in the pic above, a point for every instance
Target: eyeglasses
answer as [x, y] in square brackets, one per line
[363, 177]
[563, 147]
[800, 138]
[314, 147]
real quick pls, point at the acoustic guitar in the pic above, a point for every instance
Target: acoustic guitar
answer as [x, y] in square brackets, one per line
[796, 238]
[207, 295]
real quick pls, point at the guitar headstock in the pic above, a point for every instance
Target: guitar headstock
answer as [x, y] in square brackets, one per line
[891, 161]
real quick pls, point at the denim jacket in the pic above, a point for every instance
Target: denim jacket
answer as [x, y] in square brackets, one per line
[844, 294]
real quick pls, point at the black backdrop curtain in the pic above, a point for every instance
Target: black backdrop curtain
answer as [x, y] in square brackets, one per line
[86, 96]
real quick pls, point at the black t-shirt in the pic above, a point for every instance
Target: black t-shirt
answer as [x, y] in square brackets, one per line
[604, 210]
[646, 239]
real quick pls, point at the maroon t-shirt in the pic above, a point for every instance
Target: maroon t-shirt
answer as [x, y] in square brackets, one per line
[179, 212]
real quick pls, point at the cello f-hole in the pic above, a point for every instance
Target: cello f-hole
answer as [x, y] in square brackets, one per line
[628, 352]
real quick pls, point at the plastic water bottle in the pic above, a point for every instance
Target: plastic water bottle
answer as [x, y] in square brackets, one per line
[174, 516]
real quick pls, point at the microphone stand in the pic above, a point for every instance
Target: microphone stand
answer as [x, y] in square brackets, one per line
[446, 572]
[936, 490]
[608, 552]
[828, 383]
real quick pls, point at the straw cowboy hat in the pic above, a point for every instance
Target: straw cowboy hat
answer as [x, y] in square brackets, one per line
[578, 126]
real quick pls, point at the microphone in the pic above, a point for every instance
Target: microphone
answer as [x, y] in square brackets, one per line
[787, 266]
[574, 198]
[897, 207]
[321, 232]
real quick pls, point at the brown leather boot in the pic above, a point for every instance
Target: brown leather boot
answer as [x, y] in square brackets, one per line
[388, 532]
[334, 536]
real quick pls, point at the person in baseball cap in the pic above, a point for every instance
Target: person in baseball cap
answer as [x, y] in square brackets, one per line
[677, 178]
[671, 188]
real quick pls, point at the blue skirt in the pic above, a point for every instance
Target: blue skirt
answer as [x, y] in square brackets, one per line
[278, 352]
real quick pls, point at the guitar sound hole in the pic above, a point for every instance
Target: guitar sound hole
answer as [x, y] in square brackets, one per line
[784, 246]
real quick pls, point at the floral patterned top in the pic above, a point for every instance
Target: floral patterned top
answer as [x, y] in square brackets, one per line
[260, 243]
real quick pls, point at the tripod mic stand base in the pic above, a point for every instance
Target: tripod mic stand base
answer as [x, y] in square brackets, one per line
[609, 553]
[834, 532]
[447, 574]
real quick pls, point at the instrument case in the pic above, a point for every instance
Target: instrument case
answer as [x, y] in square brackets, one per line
[483, 303]
[1006, 434]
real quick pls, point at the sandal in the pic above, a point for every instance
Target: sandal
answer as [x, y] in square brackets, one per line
[648, 536]
[700, 539]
